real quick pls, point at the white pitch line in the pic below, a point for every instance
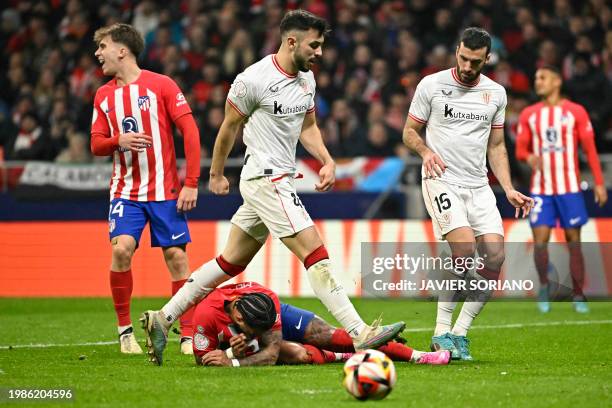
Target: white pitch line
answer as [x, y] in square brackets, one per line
[412, 330]
[521, 325]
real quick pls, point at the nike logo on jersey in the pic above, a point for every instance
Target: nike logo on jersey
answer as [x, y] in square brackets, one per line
[299, 323]
[177, 236]
[574, 221]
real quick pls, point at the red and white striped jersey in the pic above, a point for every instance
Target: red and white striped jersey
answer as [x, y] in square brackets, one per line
[553, 133]
[149, 105]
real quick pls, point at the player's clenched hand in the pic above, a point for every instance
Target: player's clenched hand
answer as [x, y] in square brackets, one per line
[520, 202]
[535, 162]
[239, 345]
[187, 198]
[327, 177]
[216, 358]
[433, 165]
[601, 195]
[218, 185]
[135, 141]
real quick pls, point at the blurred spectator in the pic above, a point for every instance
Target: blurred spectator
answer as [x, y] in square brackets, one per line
[77, 151]
[31, 141]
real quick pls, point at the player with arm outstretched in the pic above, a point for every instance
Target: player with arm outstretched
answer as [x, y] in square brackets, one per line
[463, 114]
[132, 122]
[549, 134]
[274, 100]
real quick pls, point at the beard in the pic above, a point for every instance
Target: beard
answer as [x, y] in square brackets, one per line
[301, 63]
[467, 78]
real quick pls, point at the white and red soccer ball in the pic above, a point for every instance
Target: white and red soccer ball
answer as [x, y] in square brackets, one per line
[369, 374]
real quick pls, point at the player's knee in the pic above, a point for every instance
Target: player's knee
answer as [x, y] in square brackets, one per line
[122, 254]
[495, 260]
[175, 257]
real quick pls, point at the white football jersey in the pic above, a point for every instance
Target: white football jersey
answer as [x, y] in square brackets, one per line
[459, 118]
[275, 103]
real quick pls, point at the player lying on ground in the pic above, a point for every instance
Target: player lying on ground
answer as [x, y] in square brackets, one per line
[245, 324]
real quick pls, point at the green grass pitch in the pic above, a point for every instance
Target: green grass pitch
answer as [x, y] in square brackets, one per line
[523, 358]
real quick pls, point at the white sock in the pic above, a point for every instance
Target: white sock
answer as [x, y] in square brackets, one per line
[444, 317]
[200, 283]
[121, 329]
[469, 311]
[416, 355]
[333, 296]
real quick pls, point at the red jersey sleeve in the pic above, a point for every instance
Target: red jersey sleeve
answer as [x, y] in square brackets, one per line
[174, 100]
[102, 144]
[205, 334]
[587, 141]
[524, 139]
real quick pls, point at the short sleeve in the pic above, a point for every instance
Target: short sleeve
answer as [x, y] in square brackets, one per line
[420, 108]
[243, 95]
[99, 122]
[174, 100]
[500, 115]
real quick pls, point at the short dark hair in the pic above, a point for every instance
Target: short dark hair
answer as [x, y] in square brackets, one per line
[552, 68]
[475, 38]
[303, 20]
[124, 34]
[258, 310]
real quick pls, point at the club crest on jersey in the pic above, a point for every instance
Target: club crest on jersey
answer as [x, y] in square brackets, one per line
[200, 341]
[486, 97]
[144, 103]
[305, 85]
[129, 124]
[239, 89]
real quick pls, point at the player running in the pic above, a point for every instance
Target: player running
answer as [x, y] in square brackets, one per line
[548, 136]
[274, 100]
[463, 113]
[244, 324]
[132, 121]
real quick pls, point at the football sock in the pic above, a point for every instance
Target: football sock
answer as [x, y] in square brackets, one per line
[341, 341]
[576, 262]
[331, 293]
[200, 283]
[123, 330]
[187, 317]
[319, 356]
[444, 318]
[540, 258]
[474, 302]
[397, 351]
[121, 287]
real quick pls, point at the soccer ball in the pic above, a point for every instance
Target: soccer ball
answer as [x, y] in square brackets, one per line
[369, 374]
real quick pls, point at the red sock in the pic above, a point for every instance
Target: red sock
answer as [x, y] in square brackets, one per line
[341, 342]
[187, 317]
[540, 257]
[397, 351]
[319, 356]
[121, 287]
[576, 269]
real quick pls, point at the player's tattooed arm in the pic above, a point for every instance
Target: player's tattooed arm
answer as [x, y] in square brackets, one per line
[268, 355]
[319, 333]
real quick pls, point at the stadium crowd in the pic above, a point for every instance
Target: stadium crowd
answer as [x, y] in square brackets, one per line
[372, 61]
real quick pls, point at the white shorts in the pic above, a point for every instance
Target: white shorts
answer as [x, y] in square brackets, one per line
[451, 207]
[271, 204]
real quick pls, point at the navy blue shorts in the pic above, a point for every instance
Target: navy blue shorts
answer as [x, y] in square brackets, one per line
[168, 226]
[294, 321]
[569, 209]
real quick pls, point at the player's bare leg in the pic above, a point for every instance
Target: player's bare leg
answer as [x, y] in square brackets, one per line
[572, 236]
[308, 247]
[178, 266]
[541, 236]
[239, 250]
[463, 245]
[491, 248]
[123, 247]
